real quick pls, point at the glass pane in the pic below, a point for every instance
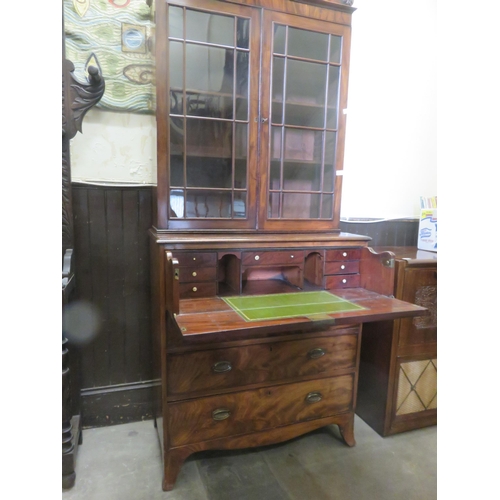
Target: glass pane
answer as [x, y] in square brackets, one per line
[276, 143]
[242, 32]
[274, 203]
[239, 207]
[328, 178]
[208, 172]
[176, 170]
[242, 85]
[177, 136]
[175, 22]
[275, 175]
[176, 203]
[201, 203]
[278, 80]
[302, 177]
[241, 148]
[176, 58]
[279, 39]
[307, 44]
[330, 152]
[335, 48]
[303, 145]
[305, 116]
[209, 69]
[333, 97]
[210, 28]
[327, 207]
[305, 82]
[209, 138]
[301, 206]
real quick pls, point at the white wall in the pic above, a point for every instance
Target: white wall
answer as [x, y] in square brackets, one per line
[390, 156]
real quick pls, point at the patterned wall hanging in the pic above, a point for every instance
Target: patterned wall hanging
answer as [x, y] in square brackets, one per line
[117, 36]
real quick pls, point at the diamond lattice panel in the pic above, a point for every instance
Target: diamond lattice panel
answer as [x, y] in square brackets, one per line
[417, 386]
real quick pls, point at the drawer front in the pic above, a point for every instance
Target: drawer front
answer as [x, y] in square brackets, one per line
[346, 267]
[254, 364]
[202, 259]
[257, 410]
[342, 281]
[193, 274]
[343, 254]
[196, 290]
[272, 258]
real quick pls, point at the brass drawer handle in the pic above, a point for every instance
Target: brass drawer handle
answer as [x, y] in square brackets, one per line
[314, 397]
[221, 414]
[194, 273]
[222, 367]
[195, 289]
[316, 353]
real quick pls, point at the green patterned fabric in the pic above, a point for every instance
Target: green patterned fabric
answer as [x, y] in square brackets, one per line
[289, 305]
[117, 36]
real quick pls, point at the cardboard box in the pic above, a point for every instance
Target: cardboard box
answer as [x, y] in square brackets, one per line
[427, 230]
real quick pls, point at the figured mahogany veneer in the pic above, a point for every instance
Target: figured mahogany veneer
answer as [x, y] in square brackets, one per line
[248, 202]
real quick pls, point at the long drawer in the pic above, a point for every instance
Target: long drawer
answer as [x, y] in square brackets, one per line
[257, 410]
[270, 362]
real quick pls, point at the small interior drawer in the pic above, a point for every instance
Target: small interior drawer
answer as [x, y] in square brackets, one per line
[342, 267]
[196, 258]
[193, 274]
[197, 289]
[343, 254]
[273, 258]
[342, 281]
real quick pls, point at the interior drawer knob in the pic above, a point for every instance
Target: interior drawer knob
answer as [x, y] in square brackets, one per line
[342, 266]
[194, 273]
[344, 281]
[314, 397]
[221, 414]
[195, 289]
[222, 367]
[344, 254]
[316, 353]
[257, 257]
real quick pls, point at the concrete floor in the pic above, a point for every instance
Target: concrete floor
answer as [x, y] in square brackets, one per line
[123, 462]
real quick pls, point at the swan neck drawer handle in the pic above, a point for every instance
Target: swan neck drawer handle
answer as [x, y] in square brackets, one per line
[314, 397]
[221, 414]
[222, 367]
[316, 353]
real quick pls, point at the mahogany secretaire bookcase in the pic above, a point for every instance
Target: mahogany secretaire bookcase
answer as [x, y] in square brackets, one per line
[258, 298]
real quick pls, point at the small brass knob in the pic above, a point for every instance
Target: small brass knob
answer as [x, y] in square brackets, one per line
[194, 273]
[342, 266]
[344, 281]
[195, 289]
[257, 257]
[344, 254]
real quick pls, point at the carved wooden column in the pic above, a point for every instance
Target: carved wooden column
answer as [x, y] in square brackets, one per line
[77, 99]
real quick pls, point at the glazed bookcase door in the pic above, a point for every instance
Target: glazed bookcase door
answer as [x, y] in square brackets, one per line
[209, 130]
[302, 136]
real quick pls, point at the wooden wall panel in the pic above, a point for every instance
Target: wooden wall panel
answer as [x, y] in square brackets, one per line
[398, 232]
[112, 273]
[112, 259]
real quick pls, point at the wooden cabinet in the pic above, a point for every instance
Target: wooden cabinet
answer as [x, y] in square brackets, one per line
[398, 370]
[251, 129]
[250, 122]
